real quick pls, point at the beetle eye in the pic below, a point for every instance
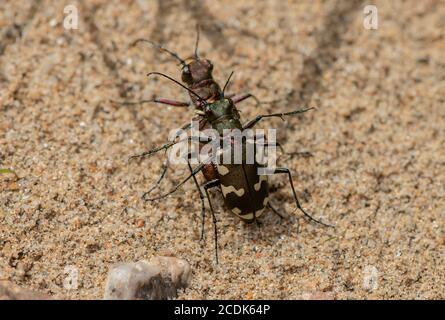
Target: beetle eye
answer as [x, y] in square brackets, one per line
[186, 74]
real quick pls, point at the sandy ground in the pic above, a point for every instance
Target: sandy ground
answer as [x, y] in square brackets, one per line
[377, 139]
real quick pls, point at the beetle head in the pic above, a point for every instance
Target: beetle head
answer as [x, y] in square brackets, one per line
[197, 70]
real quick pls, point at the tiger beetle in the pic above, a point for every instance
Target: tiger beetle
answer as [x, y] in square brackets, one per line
[245, 192]
[196, 74]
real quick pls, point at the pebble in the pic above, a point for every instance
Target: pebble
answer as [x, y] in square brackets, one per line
[157, 279]
[140, 223]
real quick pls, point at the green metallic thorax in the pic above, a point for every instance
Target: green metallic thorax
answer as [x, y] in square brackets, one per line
[223, 115]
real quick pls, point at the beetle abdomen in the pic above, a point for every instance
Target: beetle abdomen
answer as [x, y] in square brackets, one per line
[245, 192]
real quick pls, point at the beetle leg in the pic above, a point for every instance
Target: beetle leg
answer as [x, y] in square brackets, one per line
[201, 196]
[157, 149]
[282, 217]
[275, 211]
[303, 154]
[286, 170]
[169, 102]
[166, 163]
[207, 186]
[164, 171]
[193, 173]
[257, 119]
[170, 143]
[239, 98]
[164, 147]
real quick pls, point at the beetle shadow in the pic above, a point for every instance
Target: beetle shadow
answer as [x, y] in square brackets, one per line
[292, 223]
[270, 228]
[328, 41]
[164, 9]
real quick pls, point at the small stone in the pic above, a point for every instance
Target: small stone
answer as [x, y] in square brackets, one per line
[140, 223]
[53, 23]
[157, 279]
[318, 295]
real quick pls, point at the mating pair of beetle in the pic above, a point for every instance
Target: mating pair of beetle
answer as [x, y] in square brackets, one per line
[245, 192]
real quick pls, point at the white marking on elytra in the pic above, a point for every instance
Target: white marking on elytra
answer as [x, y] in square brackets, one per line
[222, 170]
[249, 216]
[236, 211]
[226, 190]
[259, 212]
[257, 186]
[265, 201]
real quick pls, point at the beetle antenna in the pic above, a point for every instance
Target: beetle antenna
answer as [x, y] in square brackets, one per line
[227, 83]
[197, 41]
[160, 47]
[178, 83]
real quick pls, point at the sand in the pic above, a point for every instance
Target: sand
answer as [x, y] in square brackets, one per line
[377, 137]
